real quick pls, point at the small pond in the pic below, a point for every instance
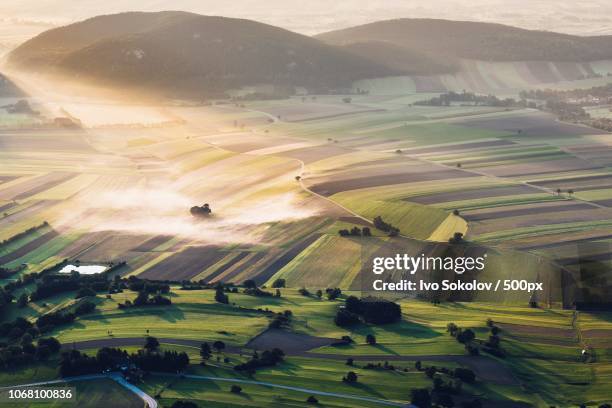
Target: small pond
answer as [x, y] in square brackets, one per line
[84, 269]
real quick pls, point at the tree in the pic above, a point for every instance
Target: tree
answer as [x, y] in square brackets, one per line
[346, 318]
[349, 361]
[279, 283]
[366, 232]
[312, 400]
[570, 192]
[371, 339]
[350, 377]
[319, 293]
[466, 336]
[218, 345]
[151, 344]
[236, 389]
[418, 365]
[457, 238]
[142, 298]
[298, 178]
[456, 212]
[559, 191]
[220, 295]
[420, 397]
[452, 329]
[205, 352]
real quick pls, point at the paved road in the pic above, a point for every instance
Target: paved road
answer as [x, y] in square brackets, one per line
[151, 403]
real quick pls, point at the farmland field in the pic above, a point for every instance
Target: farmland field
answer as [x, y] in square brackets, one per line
[297, 189]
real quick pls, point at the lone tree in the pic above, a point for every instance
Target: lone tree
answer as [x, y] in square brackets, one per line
[201, 212]
[205, 352]
[371, 339]
[350, 377]
[559, 191]
[219, 345]
[457, 238]
[220, 295]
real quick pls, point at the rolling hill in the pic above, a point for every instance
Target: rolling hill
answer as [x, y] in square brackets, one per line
[475, 41]
[187, 54]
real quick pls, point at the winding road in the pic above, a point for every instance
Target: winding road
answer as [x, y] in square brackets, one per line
[150, 401]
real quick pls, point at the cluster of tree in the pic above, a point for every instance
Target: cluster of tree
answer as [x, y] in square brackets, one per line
[49, 321]
[268, 358]
[23, 234]
[332, 293]
[76, 363]
[569, 105]
[281, 320]
[355, 232]
[493, 344]
[201, 212]
[462, 336]
[257, 292]
[26, 352]
[443, 387]
[146, 299]
[447, 99]
[53, 284]
[588, 97]
[8, 272]
[386, 227]
[369, 310]
[140, 285]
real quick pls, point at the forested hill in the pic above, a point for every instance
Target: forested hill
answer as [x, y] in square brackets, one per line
[187, 53]
[444, 39]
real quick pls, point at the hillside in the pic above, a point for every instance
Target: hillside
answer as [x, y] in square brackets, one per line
[189, 54]
[403, 59]
[449, 40]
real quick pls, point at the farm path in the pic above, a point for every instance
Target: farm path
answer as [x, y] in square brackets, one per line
[150, 401]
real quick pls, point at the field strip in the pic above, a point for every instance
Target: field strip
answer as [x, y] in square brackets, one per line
[290, 388]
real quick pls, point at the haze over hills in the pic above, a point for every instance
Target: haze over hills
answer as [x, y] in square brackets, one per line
[449, 40]
[188, 54]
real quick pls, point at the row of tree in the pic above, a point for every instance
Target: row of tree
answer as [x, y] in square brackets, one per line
[76, 363]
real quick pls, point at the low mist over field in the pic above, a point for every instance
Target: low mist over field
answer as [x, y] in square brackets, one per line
[160, 211]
